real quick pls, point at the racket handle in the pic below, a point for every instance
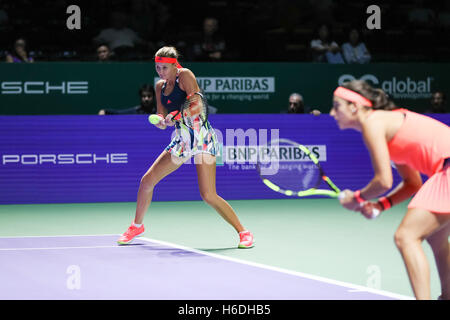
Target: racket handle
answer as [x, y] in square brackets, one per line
[375, 212]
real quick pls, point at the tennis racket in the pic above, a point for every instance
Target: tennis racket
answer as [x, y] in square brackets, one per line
[194, 111]
[293, 170]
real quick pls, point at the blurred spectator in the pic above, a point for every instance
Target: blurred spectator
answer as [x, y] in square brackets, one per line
[355, 51]
[3, 17]
[120, 39]
[150, 19]
[323, 10]
[297, 105]
[19, 53]
[212, 45]
[103, 53]
[147, 105]
[420, 15]
[324, 49]
[143, 13]
[437, 103]
[443, 16]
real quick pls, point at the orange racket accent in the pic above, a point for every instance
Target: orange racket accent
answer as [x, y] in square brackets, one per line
[176, 114]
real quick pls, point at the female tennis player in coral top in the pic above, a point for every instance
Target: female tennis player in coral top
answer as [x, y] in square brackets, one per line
[175, 85]
[415, 144]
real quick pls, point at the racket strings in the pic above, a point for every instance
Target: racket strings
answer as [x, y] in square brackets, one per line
[292, 173]
[195, 111]
[291, 176]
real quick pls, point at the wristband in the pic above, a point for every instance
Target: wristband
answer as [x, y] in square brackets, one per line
[385, 203]
[357, 195]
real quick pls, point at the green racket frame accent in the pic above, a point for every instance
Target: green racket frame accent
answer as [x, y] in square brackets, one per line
[334, 193]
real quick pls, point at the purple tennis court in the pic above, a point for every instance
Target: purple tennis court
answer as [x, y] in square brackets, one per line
[94, 267]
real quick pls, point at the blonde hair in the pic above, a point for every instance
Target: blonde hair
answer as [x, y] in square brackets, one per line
[167, 52]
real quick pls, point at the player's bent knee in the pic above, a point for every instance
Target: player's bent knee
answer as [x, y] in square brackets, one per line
[403, 238]
[209, 197]
[148, 181]
[398, 239]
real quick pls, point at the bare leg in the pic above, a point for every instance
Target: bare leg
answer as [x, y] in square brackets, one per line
[206, 172]
[441, 250]
[414, 228]
[163, 165]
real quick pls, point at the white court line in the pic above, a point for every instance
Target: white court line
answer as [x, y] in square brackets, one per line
[62, 236]
[352, 287]
[66, 248]
[59, 236]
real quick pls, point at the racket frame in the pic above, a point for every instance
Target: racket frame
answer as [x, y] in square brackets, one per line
[332, 193]
[186, 105]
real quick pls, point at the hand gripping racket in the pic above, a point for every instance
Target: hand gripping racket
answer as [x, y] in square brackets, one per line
[193, 113]
[291, 169]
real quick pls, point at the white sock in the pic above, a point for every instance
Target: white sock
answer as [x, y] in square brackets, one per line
[137, 225]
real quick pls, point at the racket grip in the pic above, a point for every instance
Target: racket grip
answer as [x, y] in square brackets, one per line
[375, 212]
[341, 196]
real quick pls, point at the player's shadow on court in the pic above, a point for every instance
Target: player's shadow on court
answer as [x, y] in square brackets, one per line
[179, 252]
[218, 250]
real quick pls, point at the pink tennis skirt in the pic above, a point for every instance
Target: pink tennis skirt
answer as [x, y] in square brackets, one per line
[434, 195]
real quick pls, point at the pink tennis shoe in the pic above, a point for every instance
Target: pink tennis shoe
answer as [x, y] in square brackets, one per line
[246, 240]
[131, 233]
[246, 237]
